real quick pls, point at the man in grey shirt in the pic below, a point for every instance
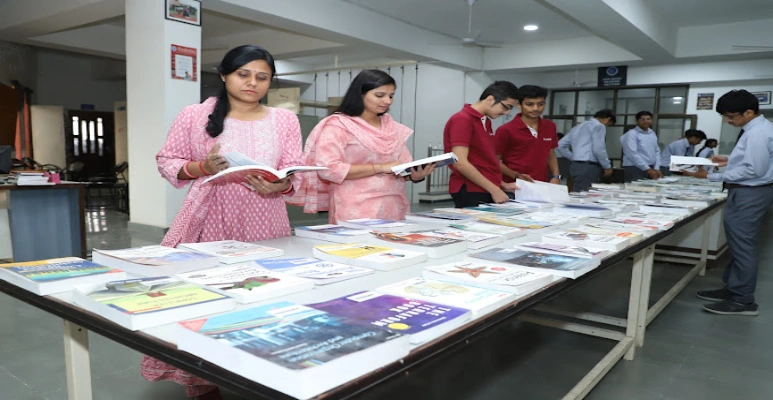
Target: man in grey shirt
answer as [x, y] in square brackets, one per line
[641, 154]
[749, 180]
[588, 150]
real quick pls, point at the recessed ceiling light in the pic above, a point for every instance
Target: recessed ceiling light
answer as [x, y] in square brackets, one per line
[677, 102]
[530, 27]
[677, 98]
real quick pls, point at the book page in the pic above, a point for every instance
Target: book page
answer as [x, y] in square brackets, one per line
[541, 192]
[237, 159]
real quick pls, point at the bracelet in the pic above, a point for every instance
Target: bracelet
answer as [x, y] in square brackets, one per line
[201, 167]
[186, 172]
[374, 169]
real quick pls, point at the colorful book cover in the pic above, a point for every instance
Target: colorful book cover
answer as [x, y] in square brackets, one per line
[293, 336]
[416, 239]
[377, 223]
[488, 228]
[533, 259]
[399, 314]
[353, 250]
[147, 295]
[474, 272]
[476, 299]
[155, 255]
[515, 222]
[313, 268]
[245, 280]
[57, 269]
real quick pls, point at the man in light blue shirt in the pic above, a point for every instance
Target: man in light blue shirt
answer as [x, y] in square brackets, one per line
[641, 154]
[588, 150]
[749, 180]
[682, 147]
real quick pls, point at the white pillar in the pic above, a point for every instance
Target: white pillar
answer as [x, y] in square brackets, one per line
[153, 101]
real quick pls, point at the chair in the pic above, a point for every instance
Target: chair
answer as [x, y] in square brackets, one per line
[116, 184]
[73, 171]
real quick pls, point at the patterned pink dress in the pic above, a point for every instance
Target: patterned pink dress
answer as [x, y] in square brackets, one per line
[339, 141]
[224, 211]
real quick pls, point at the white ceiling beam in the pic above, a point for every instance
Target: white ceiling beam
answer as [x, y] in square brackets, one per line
[347, 23]
[568, 53]
[28, 18]
[104, 40]
[629, 24]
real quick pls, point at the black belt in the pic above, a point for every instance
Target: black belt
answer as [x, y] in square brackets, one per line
[588, 162]
[736, 186]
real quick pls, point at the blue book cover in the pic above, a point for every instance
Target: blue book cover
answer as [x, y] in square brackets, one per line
[395, 313]
[293, 336]
[58, 269]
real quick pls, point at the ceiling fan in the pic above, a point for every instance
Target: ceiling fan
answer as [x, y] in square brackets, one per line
[471, 39]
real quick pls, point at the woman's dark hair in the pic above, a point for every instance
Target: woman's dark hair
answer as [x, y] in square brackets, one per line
[708, 142]
[233, 60]
[367, 80]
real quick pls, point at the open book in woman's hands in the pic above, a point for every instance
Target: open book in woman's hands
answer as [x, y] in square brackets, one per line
[239, 166]
[439, 160]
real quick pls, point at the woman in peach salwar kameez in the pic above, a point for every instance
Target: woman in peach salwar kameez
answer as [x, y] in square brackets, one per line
[251, 211]
[359, 145]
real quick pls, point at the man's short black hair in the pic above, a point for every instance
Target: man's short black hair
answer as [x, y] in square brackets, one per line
[738, 101]
[606, 113]
[695, 133]
[532, 92]
[501, 90]
[643, 113]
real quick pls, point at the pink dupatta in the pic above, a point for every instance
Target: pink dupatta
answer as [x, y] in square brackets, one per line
[313, 193]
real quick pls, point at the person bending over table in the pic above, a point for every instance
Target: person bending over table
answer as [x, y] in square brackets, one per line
[248, 211]
[359, 144]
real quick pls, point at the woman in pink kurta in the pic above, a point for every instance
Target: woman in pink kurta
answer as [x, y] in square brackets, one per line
[248, 211]
[359, 145]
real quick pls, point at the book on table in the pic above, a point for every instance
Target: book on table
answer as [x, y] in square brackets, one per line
[507, 232]
[57, 275]
[154, 260]
[147, 302]
[239, 166]
[501, 211]
[421, 320]
[511, 279]
[294, 349]
[612, 241]
[434, 246]
[475, 240]
[567, 250]
[589, 210]
[478, 300]
[233, 251]
[659, 208]
[535, 261]
[369, 256]
[380, 225]
[318, 271]
[441, 160]
[626, 226]
[434, 217]
[516, 222]
[333, 233]
[247, 283]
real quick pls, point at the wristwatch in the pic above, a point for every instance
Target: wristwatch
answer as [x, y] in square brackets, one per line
[559, 177]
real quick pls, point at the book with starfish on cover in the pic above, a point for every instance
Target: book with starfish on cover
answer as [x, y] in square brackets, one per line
[489, 276]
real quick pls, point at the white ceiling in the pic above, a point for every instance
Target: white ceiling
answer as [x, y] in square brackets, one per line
[497, 20]
[311, 33]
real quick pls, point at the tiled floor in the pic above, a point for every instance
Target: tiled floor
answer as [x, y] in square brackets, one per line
[688, 354]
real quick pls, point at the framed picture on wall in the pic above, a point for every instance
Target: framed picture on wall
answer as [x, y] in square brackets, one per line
[762, 97]
[185, 11]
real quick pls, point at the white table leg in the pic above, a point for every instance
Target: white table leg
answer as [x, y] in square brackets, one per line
[76, 353]
[648, 258]
[633, 301]
[705, 243]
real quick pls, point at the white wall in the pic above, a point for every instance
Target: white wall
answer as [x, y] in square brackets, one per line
[66, 79]
[708, 120]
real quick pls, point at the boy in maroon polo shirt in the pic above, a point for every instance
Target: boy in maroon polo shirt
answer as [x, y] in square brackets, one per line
[476, 177]
[525, 144]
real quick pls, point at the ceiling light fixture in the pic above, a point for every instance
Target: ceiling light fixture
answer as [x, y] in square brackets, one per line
[677, 98]
[530, 27]
[677, 102]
